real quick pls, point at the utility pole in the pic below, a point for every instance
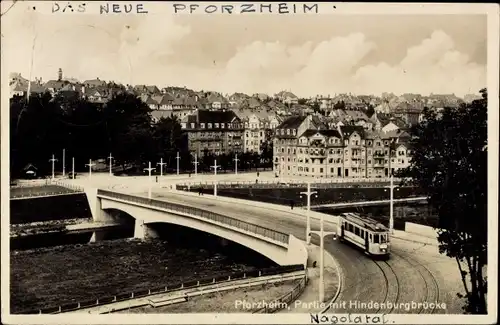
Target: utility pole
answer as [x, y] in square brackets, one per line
[149, 169]
[53, 160]
[73, 168]
[215, 176]
[308, 194]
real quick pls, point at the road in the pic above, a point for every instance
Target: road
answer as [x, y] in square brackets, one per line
[405, 278]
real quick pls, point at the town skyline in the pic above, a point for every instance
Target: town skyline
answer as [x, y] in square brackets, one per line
[364, 55]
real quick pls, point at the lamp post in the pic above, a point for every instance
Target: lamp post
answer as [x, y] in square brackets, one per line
[215, 175]
[73, 168]
[90, 164]
[149, 169]
[195, 163]
[110, 164]
[308, 193]
[53, 160]
[322, 234]
[178, 157]
[64, 162]
[161, 163]
[391, 204]
[236, 164]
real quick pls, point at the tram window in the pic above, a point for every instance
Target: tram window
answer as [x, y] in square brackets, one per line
[350, 227]
[375, 239]
[383, 238]
[371, 237]
[356, 231]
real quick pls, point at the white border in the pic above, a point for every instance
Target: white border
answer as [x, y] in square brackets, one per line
[491, 10]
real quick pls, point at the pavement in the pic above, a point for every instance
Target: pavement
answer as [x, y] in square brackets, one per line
[308, 301]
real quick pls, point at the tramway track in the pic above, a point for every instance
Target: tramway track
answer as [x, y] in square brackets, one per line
[430, 282]
[392, 286]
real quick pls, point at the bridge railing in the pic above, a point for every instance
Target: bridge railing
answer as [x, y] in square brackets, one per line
[317, 183]
[223, 278]
[285, 300]
[262, 231]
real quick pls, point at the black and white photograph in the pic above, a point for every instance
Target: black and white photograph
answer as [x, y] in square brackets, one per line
[238, 163]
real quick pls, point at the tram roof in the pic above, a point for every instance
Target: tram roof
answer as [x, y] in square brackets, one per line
[365, 222]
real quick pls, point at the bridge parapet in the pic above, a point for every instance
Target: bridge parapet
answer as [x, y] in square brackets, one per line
[258, 230]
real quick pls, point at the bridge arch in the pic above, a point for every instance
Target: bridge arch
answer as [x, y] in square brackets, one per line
[290, 253]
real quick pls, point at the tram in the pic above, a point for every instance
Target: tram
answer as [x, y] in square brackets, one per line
[365, 233]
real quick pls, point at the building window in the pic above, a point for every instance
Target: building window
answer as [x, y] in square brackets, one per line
[321, 170]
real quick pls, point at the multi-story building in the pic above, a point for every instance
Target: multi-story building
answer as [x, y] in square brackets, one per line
[216, 132]
[305, 146]
[258, 128]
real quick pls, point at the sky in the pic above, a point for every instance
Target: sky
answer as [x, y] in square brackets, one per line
[305, 54]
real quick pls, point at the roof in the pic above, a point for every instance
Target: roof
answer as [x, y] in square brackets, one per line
[166, 100]
[94, 82]
[292, 122]
[394, 134]
[364, 222]
[326, 133]
[156, 115]
[56, 84]
[347, 130]
[206, 116]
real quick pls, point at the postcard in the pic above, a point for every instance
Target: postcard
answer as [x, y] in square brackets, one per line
[249, 162]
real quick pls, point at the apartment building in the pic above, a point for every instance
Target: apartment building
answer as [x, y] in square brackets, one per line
[211, 131]
[258, 127]
[305, 146]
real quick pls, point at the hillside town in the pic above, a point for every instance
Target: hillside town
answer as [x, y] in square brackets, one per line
[339, 136]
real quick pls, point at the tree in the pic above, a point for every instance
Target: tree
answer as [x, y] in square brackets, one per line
[129, 128]
[370, 110]
[449, 162]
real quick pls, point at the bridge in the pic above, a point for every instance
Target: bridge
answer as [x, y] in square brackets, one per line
[420, 199]
[281, 247]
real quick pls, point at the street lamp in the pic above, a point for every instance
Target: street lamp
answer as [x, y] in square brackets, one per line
[53, 160]
[322, 234]
[149, 169]
[178, 157]
[215, 176]
[161, 163]
[110, 164]
[64, 162]
[236, 164]
[308, 193]
[90, 164]
[391, 204]
[195, 163]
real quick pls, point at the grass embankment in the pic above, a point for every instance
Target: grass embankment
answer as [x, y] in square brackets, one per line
[64, 274]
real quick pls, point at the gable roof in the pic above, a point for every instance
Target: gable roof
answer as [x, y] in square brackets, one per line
[347, 130]
[206, 116]
[292, 122]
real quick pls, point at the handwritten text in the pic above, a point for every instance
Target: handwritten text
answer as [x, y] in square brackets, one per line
[280, 8]
[348, 319]
[118, 8]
